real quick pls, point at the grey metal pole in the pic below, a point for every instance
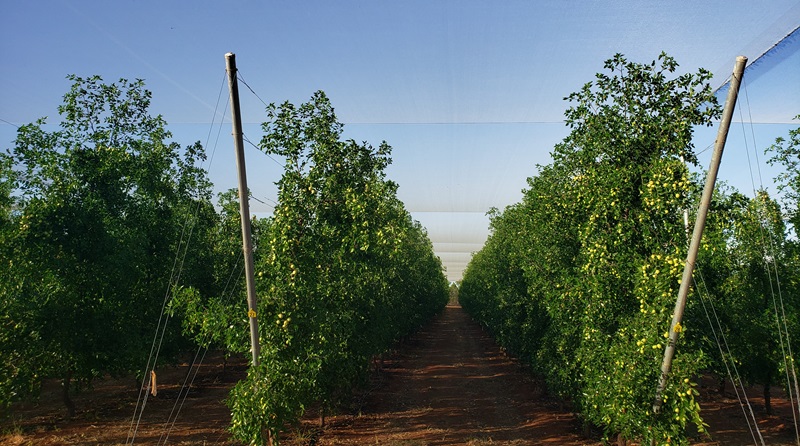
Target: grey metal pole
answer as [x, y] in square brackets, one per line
[699, 226]
[244, 205]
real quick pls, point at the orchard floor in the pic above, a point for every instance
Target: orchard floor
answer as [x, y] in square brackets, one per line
[447, 385]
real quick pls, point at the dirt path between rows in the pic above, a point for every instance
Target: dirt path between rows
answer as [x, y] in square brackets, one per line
[451, 385]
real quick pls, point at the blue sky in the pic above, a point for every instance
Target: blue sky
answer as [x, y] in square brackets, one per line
[469, 93]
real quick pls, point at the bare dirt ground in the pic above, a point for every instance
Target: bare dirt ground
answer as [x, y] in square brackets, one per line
[105, 413]
[447, 385]
[451, 385]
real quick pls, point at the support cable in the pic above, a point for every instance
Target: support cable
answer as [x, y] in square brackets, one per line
[259, 149]
[735, 380]
[239, 76]
[770, 264]
[721, 341]
[175, 274]
[195, 365]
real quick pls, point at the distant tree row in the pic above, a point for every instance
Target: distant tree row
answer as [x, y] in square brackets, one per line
[581, 276]
[105, 223]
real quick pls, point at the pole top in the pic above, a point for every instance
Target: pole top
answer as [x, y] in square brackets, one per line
[230, 62]
[741, 58]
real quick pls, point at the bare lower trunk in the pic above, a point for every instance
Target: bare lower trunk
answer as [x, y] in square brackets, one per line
[65, 384]
[767, 399]
[587, 429]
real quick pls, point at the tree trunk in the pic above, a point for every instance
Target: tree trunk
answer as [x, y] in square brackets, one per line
[767, 399]
[621, 441]
[65, 384]
[587, 429]
[270, 440]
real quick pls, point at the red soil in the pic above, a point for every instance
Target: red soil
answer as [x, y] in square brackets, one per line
[447, 385]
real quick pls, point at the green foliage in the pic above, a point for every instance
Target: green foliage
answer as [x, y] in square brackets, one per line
[215, 317]
[19, 349]
[101, 205]
[453, 300]
[750, 269]
[750, 273]
[786, 152]
[750, 293]
[581, 276]
[342, 271]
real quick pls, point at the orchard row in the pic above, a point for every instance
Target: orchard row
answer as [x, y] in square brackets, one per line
[105, 223]
[580, 278]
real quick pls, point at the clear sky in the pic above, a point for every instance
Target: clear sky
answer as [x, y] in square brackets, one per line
[469, 93]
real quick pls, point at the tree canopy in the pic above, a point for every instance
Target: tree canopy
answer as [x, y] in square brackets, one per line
[94, 215]
[580, 277]
[342, 272]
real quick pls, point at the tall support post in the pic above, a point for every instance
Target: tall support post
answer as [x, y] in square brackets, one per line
[244, 205]
[699, 225]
